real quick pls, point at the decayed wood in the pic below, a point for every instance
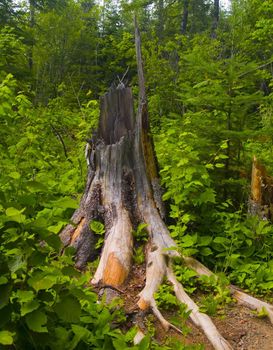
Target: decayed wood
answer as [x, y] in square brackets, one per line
[122, 191]
[261, 198]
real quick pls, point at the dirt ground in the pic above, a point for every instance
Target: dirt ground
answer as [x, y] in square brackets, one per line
[239, 325]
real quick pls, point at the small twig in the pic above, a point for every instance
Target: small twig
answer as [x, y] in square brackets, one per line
[76, 95]
[103, 286]
[124, 75]
[165, 324]
[59, 136]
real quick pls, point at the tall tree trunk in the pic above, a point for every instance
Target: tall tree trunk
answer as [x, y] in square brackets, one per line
[123, 191]
[215, 19]
[160, 19]
[185, 16]
[31, 25]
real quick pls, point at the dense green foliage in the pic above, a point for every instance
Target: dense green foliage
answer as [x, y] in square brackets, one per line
[210, 103]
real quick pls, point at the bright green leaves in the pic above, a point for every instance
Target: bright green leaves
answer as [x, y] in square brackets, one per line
[68, 309]
[41, 280]
[6, 338]
[14, 214]
[97, 227]
[29, 307]
[24, 295]
[36, 321]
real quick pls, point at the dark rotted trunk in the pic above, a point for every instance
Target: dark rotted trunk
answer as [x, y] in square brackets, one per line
[122, 188]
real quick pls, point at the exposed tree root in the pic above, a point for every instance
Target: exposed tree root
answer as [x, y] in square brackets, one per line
[200, 319]
[241, 297]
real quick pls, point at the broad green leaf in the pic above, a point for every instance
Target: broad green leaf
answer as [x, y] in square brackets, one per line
[205, 251]
[144, 344]
[188, 240]
[57, 228]
[29, 307]
[69, 309]
[3, 280]
[221, 240]
[13, 211]
[16, 263]
[42, 281]
[204, 241]
[6, 338]
[97, 227]
[66, 202]
[36, 321]
[80, 331]
[24, 295]
[16, 215]
[207, 196]
[15, 175]
[35, 186]
[5, 291]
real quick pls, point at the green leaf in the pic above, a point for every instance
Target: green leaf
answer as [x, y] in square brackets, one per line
[56, 228]
[35, 186]
[3, 280]
[16, 215]
[6, 338]
[81, 332]
[97, 227]
[69, 309]
[36, 321]
[29, 307]
[221, 240]
[204, 241]
[66, 203]
[205, 251]
[13, 211]
[24, 295]
[42, 281]
[207, 196]
[15, 175]
[209, 166]
[219, 165]
[5, 291]
[145, 343]
[188, 241]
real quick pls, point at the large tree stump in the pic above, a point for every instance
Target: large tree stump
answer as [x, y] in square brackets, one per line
[122, 191]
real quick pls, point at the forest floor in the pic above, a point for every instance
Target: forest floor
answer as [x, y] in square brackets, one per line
[239, 325]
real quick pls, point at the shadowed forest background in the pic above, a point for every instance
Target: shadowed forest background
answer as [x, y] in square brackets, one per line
[208, 75]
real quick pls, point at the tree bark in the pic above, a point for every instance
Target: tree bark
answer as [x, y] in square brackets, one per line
[215, 19]
[261, 197]
[185, 16]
